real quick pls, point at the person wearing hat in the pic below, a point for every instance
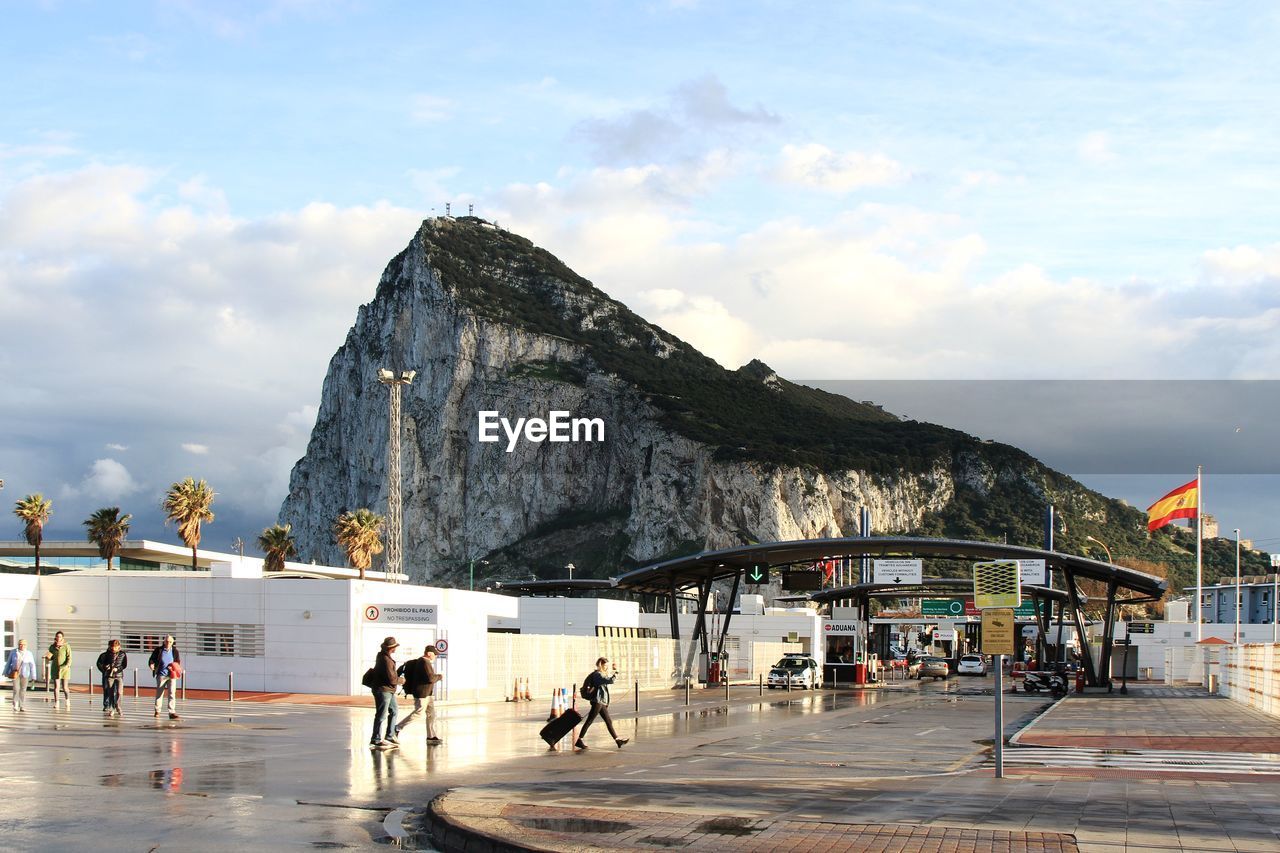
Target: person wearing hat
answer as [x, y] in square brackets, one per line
[385, 682]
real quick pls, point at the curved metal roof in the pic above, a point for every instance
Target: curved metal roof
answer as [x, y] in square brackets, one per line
[714, 565]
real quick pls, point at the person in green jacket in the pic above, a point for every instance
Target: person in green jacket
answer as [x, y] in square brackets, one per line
[59, 658]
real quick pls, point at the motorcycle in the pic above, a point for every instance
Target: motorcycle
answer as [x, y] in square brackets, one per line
[1053, 683]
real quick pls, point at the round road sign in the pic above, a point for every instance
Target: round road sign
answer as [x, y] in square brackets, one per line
[442, 646]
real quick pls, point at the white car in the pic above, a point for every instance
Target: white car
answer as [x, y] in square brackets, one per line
[972, 665]
[800, 671]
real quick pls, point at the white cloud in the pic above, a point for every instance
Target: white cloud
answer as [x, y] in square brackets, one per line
[106, 480]
[1242, 264]
[119, 448]
[1095, 148]
[196, 449]
[818, 167]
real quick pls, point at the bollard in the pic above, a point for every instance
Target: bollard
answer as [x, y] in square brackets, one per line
[231, 689]
[788, 683]
[686, 690]
[90, 682]
[726, 687]
[183, 682]
[761, 684]
[135, 682]
[637, 698]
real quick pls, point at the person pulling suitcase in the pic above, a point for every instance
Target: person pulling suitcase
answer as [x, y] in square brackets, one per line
[595, 689]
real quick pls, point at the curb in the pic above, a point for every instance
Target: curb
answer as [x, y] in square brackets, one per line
[1013, 740]
[450, 837]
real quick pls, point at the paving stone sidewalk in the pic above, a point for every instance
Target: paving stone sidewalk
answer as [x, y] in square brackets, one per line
[1038, 809]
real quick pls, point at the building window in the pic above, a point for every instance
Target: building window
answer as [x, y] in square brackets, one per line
[217, 643]
[10, 632]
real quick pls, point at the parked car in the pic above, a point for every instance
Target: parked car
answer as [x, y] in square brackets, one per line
[934, 668]
[972, 665]
[795, 669]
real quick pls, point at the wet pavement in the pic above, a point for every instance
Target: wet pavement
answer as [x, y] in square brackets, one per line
[906, 767]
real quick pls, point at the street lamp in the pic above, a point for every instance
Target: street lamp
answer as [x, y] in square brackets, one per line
[571, 567]
[1104, 547]
[1238, 602]
[473, 571]
[395, 561]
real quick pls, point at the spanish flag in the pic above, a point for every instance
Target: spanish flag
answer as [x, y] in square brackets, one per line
[1182, 502]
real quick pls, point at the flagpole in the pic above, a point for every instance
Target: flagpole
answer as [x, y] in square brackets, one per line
[1199, 554]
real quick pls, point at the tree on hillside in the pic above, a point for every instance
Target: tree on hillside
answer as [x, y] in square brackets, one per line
[278, 544]
[359, 533]
[187, 505]
[34, 512]
[107, 529]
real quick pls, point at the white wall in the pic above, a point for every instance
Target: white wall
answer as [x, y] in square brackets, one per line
[773, 627]
[18, 599]
[315, 637]
[1151, 648]
[577, 617]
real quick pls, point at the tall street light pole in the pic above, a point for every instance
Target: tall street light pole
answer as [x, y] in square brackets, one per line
[395, 558]
[570, 567]
[1105, 549]
[1237, 586]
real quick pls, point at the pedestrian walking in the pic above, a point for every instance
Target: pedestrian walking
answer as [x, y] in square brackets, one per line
[112, 664]
[383, 680]
[420, 679]
[166, 666]
[59, 658]
[20, 665]
[595, 689]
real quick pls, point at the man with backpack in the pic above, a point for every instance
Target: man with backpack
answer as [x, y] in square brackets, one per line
[595, 689]
[420, 679]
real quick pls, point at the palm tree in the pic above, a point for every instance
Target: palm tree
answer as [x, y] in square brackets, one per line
[34, 511]
[187, 504]
[359, 532]
[107, 529]
[278, 544]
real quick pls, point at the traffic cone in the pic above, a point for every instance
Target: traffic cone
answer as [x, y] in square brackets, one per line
[515, 691]
[528, 697]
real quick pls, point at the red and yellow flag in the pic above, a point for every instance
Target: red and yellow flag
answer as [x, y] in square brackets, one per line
[1182, 502]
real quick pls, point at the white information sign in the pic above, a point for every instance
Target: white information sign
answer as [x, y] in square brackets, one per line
[401, 614]
[1032, 572]
[945, 635]
[897, 571]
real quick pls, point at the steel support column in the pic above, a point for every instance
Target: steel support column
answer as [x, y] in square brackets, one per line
[728, 614]
[699, 627]
[1108, 636]
[1077, 615]
[675, 625]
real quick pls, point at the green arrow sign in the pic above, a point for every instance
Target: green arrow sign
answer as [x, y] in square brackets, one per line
[758, 574]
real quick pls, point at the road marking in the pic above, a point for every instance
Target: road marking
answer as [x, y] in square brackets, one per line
[1170, 761]
[634, 772]
[930, 731]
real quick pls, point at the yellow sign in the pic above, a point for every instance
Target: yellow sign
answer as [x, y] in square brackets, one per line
[997, 584]
[999, 631]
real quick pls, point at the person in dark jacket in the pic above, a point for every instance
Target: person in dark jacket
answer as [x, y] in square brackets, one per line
[112, 664]
[596, 688]
[163, 658]
[420, 679]
[385, 682]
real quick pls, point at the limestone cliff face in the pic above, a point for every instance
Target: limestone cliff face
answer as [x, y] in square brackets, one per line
[493, 324]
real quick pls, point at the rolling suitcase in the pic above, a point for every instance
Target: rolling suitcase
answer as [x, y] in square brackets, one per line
[553, 731]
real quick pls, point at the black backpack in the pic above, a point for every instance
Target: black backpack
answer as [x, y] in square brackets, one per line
[370, 678]
[587, 690]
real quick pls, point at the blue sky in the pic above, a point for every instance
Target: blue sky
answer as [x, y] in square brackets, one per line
[848, 191]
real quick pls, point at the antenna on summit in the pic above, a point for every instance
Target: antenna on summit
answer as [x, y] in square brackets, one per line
[446, 208]
[471, 210]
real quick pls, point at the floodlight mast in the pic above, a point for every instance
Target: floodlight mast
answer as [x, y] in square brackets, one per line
[394, 565]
